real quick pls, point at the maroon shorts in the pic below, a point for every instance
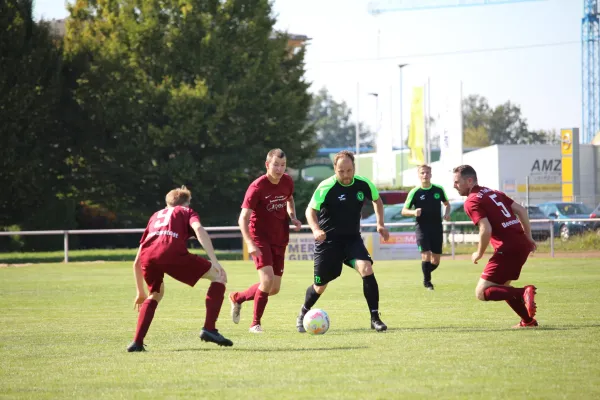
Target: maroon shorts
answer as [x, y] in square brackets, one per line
[187, 268]
[271, 255]
[505, 265]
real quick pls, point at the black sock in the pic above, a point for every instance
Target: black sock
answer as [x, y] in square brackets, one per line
[310, 299]
[371, 292]
[426, 268]
[433, 266]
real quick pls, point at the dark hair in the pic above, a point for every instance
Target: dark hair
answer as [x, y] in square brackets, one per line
[342, 154]
[466, 171]
[275, 153]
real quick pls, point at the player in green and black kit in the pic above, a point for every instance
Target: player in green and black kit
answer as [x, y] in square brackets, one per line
[338, 201]
[426, 200]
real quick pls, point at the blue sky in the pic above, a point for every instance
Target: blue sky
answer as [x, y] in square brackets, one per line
[351, 48]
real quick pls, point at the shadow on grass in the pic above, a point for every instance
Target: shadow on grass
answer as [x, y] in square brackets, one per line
[274, 350]
[74, 258]
[475, 329]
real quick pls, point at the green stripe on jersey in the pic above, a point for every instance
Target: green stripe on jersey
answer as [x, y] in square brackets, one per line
[319, 195]
[411, 194]
[374, 191]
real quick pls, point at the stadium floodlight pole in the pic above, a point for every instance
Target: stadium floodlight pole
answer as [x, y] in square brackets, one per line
[400, 66]
[376, 95]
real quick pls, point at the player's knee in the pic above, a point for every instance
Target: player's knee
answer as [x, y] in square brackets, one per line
[273, 291]
[480, 293]
[320, 289]
[157, 296]
[222, 278]
[364, 268]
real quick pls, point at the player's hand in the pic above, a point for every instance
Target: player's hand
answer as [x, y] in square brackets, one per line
[319, 235]
[137, 303]
[532, 243]
[447, 217]
[297, 224]
[418, 212]
[253, 250]
[383, 231]
[476, 257]
[219, 268]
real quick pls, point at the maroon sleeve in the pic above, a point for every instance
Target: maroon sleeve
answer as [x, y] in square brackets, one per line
[146, 231]
[194, 217]
[252, 197]
[474, 210]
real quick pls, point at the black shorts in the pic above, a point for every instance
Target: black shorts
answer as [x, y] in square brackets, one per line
[430, 240]
[330, 255]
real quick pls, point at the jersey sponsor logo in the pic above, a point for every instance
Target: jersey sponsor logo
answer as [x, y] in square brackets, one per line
[360, 196]
[342, 197]
[436, 196]
[511, 222]
[275, 206]
[163, 233]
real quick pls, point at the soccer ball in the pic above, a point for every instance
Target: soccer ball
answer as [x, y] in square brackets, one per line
[316, 322]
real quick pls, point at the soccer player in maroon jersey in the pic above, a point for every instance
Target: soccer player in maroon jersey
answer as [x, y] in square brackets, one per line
[163, 250]
[266, 210]
[505, 224]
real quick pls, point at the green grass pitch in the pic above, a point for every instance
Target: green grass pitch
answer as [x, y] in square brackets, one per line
[64, 330]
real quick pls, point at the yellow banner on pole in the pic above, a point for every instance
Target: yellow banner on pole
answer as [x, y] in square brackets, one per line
[416, 134]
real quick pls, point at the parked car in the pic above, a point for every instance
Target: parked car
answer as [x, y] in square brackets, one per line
[596, 214]
[388, 197]
[393, 213]
[561, 210]
[539, 230]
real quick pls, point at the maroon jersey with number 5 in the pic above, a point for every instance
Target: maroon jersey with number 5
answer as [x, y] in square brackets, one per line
[167, 233]
[494, 205]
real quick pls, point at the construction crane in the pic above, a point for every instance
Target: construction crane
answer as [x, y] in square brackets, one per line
[590, 71]
[590, 43]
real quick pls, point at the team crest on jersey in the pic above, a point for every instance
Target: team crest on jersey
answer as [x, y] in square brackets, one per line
[436, 196]
[360, 196]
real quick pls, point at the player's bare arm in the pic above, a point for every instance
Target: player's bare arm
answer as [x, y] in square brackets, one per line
[243, 221]
[313, 222]
[407, 212]
[521, 212]
[139, 281]
[291, 210]
[378, 206]
[206, 243]
[447, 210]
[485, 234]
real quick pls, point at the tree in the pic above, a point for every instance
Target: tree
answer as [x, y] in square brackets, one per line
[484, 126]
[33, 148]
[332, 123]
[193, 93]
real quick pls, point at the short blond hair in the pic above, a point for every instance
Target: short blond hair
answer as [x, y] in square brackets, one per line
[178, 197]
[424, 166]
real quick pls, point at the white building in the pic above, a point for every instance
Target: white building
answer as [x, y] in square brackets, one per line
[530, 174]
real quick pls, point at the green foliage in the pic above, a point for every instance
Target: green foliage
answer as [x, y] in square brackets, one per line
[175, 93]
[332, 123]
[33, 146]
[303, 191]
[484, 126]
